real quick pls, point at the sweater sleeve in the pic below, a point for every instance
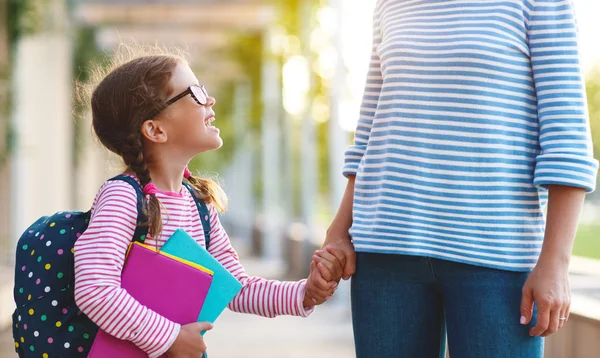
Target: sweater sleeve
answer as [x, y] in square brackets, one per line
[355, 152]
[267, 298]
[566, 156]
[99, 258]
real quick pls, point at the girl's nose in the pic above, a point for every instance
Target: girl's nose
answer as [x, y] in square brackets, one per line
[211, 101]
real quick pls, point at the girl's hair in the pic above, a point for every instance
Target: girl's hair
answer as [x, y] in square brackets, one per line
[123, 95]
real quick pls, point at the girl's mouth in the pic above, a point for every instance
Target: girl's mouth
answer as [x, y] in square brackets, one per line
[208, 121]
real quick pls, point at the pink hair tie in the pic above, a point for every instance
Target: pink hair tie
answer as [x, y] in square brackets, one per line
[187, 173]
[150, 189]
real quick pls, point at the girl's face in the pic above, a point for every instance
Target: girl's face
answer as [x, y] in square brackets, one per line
[187, 125]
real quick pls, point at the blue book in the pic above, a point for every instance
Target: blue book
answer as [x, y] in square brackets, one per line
[224, 285]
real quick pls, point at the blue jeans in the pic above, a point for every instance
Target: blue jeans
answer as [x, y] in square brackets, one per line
[403, 306]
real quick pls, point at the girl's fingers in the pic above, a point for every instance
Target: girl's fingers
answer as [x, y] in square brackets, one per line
[338, 254]
[329, 272]
[322, 274]
[337, 265]
[318, 287]
[324, 271]
[320, 283]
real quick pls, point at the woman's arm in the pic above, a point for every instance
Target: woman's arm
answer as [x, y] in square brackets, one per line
[338, 236]
[548, 285]
[565, 165]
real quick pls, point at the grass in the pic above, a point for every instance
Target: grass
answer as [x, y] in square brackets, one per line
[587, 242]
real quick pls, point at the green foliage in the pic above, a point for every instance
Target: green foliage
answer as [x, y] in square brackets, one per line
[86, 56]
[288, 14]
[593, 99]
[25, 17]
[593, 96]
[586, 242]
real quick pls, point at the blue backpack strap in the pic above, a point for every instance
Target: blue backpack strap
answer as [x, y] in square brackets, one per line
[141, 229]
[203, 212]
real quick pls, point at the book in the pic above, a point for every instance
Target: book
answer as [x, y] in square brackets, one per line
[171, 286]
[224, 286]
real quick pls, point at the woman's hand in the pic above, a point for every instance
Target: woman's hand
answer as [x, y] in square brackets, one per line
[338, 241]
[548, 286]
[189, 342]
[340, 244]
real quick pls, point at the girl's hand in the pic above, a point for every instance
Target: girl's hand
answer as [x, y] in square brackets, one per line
[331, 262]
[189, 342]
[319, 286]
[548, 286]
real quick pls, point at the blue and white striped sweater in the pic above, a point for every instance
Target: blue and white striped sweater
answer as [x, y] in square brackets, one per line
[471, 109]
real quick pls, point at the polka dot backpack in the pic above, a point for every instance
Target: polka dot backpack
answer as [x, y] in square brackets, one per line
[47, 322]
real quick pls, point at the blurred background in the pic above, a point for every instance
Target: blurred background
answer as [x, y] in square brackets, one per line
[288, 77]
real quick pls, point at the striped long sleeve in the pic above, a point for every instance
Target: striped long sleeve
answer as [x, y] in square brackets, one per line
[267, 298]
[100, 255]
[566, 156]
[471, 109]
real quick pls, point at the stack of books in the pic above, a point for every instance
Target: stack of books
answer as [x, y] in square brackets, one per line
[181, 282]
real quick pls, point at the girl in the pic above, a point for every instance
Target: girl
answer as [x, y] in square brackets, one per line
[152, 111]
[474, 116]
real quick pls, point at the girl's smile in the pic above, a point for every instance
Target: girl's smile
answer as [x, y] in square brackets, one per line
[208, 123]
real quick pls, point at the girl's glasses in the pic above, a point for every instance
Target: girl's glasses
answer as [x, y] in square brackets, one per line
[198, 93]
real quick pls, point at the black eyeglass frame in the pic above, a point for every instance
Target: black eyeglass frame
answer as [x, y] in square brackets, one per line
[191, 90]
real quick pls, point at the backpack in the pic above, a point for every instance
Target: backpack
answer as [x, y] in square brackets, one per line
[47, 322]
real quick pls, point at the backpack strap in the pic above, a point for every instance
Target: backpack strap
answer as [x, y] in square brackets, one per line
[141, 228]
[203, 212]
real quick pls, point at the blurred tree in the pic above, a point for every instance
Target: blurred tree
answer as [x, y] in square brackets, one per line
[593, 98]
[25, 17]
[86, 55]
[19, 17]
[245, 49]
[4, 83]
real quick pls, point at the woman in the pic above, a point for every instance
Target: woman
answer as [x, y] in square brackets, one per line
[473, 117]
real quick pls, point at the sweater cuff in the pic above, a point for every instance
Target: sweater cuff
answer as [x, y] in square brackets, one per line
[565, 169]
[352, 158]
[302, 312]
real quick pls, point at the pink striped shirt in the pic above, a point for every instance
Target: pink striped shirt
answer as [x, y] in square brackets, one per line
[100, 255]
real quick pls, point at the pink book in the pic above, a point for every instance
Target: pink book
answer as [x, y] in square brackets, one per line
[168, 285]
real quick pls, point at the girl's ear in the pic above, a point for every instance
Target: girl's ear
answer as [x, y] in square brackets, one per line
[154, 131]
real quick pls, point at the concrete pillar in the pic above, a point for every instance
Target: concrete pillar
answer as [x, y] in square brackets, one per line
[271, 170]
[42, 121]
[308, 147]
[6, 250]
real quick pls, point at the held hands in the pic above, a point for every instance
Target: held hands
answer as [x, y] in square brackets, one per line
[339, 242]
[189, 342]
[326, 269]
[336, 260]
